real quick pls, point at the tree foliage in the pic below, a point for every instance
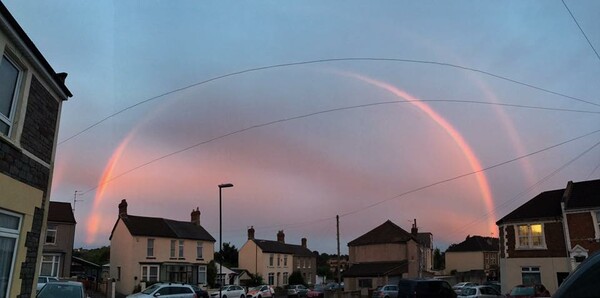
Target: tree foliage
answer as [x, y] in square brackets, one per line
[230, 255]
[296, 278]
[255, 280]
[98, 256]
[211, 274]
[439, 260]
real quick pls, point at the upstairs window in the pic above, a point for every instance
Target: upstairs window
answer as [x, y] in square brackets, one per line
[199, 250]
[10, 75]
[530, 236]
[150, 248]
[51, 234]
[180, 249]
[271, 261]
[173, 243]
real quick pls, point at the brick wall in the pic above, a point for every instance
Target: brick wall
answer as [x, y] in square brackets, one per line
[581, 231]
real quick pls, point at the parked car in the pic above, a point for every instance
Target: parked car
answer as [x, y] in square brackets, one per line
[458, 287]
[494, 284]
[425, 288]
[231, 291]
[63, 289]
[480, 292]
[200, 293]
[297, 290]
[584, 281]
[334, 286]
[318, 291]
[526, 291]
[387, 291]
[260, 292]
[43, 280]
[166, 290]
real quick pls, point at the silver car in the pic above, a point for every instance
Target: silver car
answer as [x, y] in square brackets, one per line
[231, 291]
[387, 291]
[171, 290]
[71, 289]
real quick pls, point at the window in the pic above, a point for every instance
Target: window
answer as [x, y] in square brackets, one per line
[150, 273]
[271, 278]
[50, 265]
[284, 261]
[10, 224]
[150, 248]
[10, 75]
[365, 283]
[271, 261]
[531, 275]
[530, 236]
[181, 249]
[278, 277]
[199, 250]
[202, 275]
[173, 243]
[118, 272]
[597, 222]
[278, 260]
[51, 234]
[285, 278]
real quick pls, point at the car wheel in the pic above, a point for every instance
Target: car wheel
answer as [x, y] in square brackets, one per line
[242, 296]
[224, 296]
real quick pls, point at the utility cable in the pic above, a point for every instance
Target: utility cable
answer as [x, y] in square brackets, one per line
[580, 29]
[306, 116]
[283, 65]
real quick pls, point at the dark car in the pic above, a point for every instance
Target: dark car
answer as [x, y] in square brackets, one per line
[527, 291]
[584, 281]
[200, 293]
[70, 289]
[317, 292]
[425, 288]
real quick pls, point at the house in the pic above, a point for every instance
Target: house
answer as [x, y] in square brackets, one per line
[276, 260]
[384, 255]
[31, 98]
[226, 276]
[546, 238]
[58, 242]
[152, 249]
[473, 260]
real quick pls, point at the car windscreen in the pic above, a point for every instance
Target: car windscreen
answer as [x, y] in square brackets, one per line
[60, 290]
[150, 289]
[523, 291]
[468, 291]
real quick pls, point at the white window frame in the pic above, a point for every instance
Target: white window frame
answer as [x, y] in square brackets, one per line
[10, 119]
[271, 256]
[173, 245]
[51, 229]
[145, 272]
[271, 277]
[202, 269]
[55, 271]
[530, 270]
[181, 246]
[150, 248]
[285, 261]
[199, 248]
[530, 245]
[285, 278]
[596, 219]
[13, 234]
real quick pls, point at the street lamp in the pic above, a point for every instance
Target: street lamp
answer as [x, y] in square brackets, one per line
[221, 186]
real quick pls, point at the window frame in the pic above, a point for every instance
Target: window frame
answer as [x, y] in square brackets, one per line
[172, 252]
[11, 234]
[150, 248]
[49, 231]
[530, 270]
[199, 250]
[145, 272]
[55, 262]
[181, 249]
[204, 274]
[529, 246]
[9, 119]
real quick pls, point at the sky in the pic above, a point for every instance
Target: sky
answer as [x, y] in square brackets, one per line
[444, 112]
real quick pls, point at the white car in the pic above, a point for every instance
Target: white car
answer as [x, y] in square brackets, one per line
[231, 291]
[166, 290]
[479, 292]
[43, 280]
[263, 291]
[458, 287]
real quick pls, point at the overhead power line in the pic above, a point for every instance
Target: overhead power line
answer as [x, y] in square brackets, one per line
[581, 29]
[365, 59]
[310, 115]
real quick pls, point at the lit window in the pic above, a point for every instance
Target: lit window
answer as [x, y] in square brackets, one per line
[530, 236]
[9, 82]
[51, 234]
[150, 248]
[150, 273]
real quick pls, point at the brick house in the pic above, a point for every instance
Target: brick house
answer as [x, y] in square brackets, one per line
[545, 239]
[386, 254]
[155, 249]
[474, 260]
[58, 241]
[31, 97]
[275, 261]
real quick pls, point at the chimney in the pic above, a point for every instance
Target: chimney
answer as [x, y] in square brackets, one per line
[62, 76]
[281, 236]
[251, 233]
[414, 230]
[123, 209]
[196, 216]
[304, 242]
[567, 194]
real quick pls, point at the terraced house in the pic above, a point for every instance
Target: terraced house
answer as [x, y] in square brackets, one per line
[155, 249]
[31, 97]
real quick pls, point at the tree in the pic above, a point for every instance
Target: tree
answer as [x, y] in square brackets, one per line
[230, 255]
[439, 261]
[211, 274]
[98, 256]
[296, 278]
[255, 280]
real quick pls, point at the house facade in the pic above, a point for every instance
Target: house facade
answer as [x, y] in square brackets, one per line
[473, 260]
[31, 97]
[384, 255]
[276, 260]
[58, 241]
[545, 239]
[152, 249]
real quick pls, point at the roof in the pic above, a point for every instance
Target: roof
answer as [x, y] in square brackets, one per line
[585, 194]
[61, 212]
[543, 206]
[285, 248]
[34, 50]
[375, 269]
[476, 243]
[167, 228]
[388, 232]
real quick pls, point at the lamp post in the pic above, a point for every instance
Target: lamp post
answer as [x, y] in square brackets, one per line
[221, 186]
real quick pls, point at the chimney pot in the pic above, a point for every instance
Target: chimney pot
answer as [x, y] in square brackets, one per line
[123, 208]
[196, 216]
[280, 236]
[304, 242]
[251, 233]
[414, 230]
